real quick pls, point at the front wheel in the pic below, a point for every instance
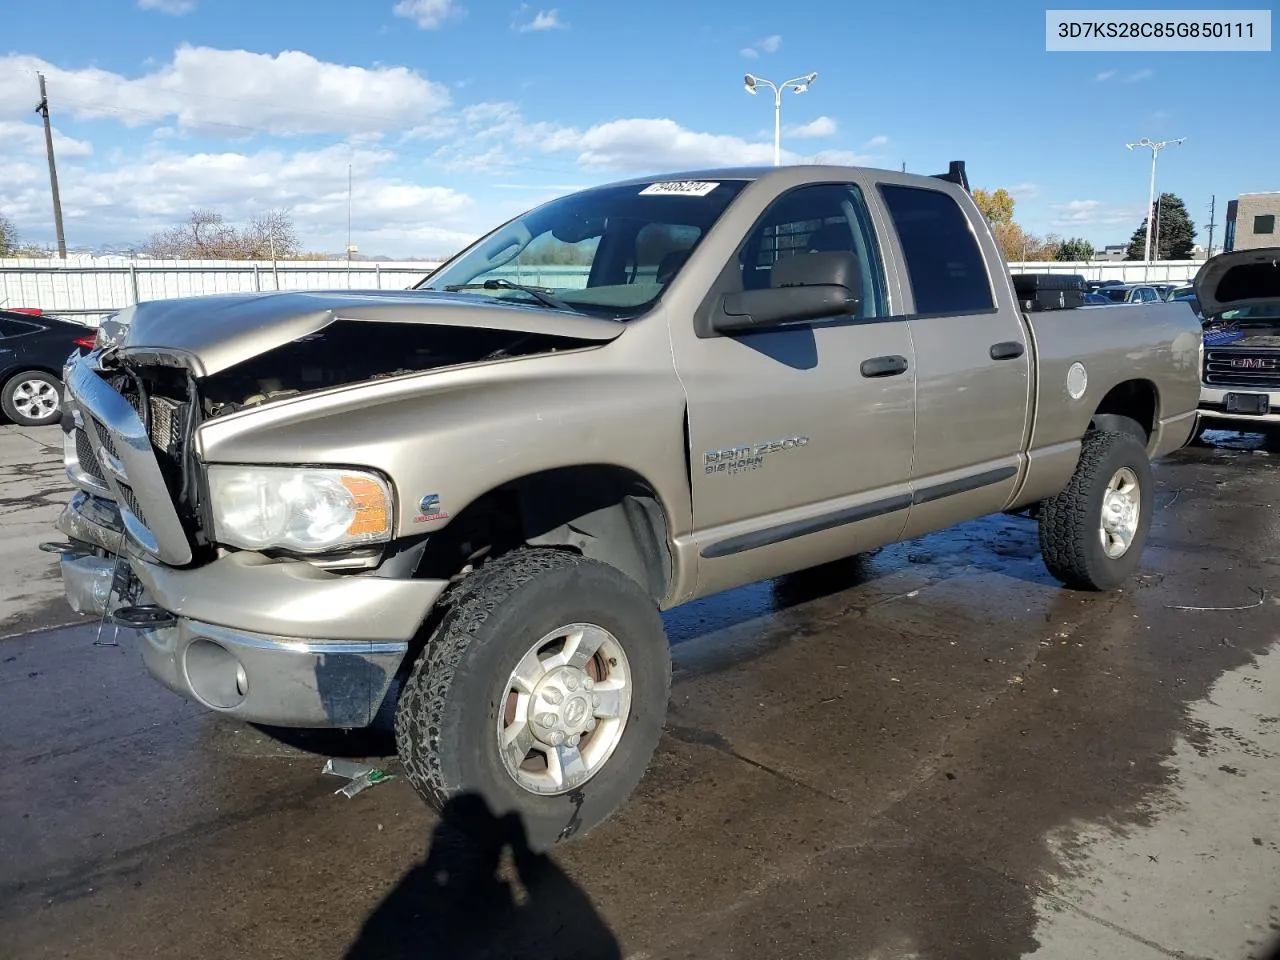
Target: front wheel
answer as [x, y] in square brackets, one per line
[543, 691]
[1093, 532]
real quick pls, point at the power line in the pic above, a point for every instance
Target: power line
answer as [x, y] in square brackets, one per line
[1213, 204]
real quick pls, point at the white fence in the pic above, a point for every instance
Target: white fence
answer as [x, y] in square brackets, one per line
[1159, 271]
[94, 287]
[91, 288]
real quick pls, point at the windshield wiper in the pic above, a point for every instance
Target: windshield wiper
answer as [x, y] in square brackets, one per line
[541, 294]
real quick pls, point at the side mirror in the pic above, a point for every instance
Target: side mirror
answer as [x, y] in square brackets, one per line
[763, 309]
[806, 286]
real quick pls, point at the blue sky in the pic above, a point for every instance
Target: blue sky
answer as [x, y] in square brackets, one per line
[455, 114]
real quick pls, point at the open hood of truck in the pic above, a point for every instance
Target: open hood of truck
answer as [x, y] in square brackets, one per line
[209, 334]
[1237, 279]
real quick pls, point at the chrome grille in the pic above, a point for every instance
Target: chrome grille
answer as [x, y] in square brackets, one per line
[1258, 369]
[135, 476]
[131, 501]
[87, 458]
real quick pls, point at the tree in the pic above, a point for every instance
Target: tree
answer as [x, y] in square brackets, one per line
[1172, 234]
[1015, 243]
[8, 237]
[1075, 249]
[996, 206]
[270, 235]
[206, 235]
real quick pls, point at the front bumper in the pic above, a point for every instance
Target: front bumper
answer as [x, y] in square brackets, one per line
[1213, 408]
[274, 642]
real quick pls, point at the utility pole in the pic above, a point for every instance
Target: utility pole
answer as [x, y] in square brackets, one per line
[42, 108]
[1156, 245]
[1213, 204]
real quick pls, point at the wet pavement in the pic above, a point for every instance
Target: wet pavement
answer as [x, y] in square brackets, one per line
[931, 752]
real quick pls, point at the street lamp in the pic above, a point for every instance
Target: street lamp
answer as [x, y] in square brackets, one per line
[799, 85]
[1155, 147]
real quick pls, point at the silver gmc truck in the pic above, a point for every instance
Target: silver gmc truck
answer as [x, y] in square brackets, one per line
[476, 496]
[1239, 295]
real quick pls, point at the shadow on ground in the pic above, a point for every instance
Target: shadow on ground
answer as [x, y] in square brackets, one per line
[464, 901]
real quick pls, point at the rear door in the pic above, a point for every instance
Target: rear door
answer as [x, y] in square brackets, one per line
[801, 436]
[973, 358]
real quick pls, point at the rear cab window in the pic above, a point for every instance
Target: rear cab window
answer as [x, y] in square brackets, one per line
[945, 266]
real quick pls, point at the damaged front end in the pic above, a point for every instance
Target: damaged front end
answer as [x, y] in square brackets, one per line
[273, 633]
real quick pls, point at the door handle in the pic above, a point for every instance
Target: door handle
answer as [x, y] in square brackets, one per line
[884, 366]
[1009, 350]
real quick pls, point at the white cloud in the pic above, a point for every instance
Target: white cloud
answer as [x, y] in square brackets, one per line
[769, 44]
[661, 144]
[29, 138]
[1091, 213]
[1139, 75]
[813, 130]
[1104, 76]
[235, 92]
[876, 142]
[428, 14]
[174, 8]
[127, 202]
[1023, 191]
[543, 20]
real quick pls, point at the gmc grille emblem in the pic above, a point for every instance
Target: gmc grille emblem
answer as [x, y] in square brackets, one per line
[1252, 363]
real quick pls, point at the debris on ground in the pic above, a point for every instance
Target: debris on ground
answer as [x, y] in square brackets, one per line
[1261, 594]
[362, 775]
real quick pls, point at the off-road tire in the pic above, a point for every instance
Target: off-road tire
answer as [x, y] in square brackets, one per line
[447, 713]
[1069, 522]
[17, 416]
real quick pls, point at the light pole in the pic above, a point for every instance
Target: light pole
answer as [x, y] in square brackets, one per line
[1155, 147]
[799, 85]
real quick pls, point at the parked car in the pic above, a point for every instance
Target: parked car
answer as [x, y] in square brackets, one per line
[1239, 294]
[478, 495]
[1189, 298]
[1097, 299]
[1093, 286]
[33, 348]
[1131, 293]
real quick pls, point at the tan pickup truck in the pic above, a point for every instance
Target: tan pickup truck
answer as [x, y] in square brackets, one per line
[477, 496]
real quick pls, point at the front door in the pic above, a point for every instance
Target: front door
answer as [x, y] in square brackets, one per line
[801, 452]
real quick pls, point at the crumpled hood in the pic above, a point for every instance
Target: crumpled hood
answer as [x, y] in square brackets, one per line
[1238, 279]
[209, 334]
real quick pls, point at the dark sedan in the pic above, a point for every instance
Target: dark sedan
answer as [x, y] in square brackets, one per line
[33, 348]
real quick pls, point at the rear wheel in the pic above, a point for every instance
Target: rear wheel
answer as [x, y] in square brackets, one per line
[32, 398]
[1093, 532]
[542, 691]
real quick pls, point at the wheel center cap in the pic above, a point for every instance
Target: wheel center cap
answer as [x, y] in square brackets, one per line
[562, 707]
[575, 711]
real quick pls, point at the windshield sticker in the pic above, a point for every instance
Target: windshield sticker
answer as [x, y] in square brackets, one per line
[679, 188]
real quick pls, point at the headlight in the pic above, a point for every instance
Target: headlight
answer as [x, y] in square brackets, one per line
[304, 509]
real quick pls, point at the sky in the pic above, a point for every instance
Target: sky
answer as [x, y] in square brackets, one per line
[454, 115]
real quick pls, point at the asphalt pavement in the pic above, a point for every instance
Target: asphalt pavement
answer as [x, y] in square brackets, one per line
[931, 752]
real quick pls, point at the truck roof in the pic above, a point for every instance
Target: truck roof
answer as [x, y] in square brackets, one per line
[956, 173]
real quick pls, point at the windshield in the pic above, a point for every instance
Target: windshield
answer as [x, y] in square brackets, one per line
[607, 252]
[1257, 313]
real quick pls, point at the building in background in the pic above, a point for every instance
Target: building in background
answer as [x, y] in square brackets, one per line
[1112, 252]
[1252, 222]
